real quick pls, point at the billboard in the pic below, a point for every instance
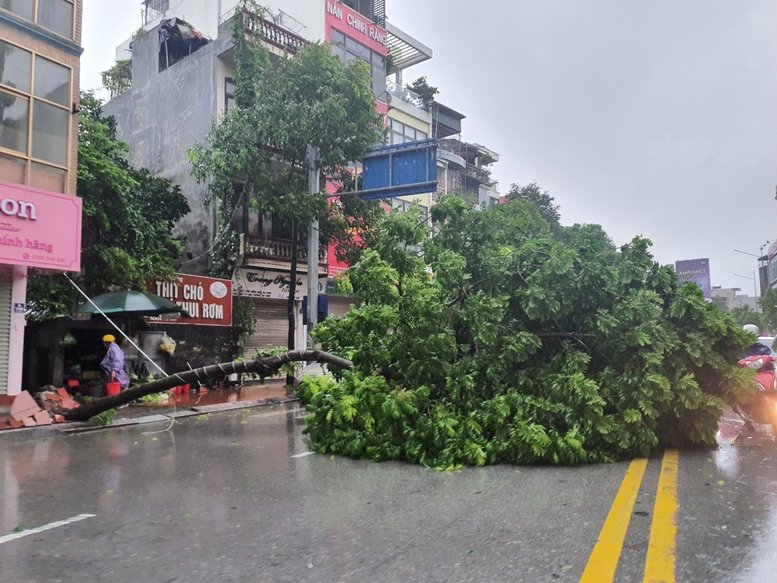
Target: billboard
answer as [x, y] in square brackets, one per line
[697, 271]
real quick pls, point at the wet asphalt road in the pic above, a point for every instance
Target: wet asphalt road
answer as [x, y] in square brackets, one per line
[220, 498]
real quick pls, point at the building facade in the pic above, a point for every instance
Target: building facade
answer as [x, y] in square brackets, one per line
[40, 218]
[173, 101]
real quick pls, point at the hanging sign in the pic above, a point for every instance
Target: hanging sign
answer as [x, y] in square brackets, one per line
[207, 300]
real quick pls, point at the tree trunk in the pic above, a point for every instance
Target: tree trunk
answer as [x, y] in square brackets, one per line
[292, 293]
[262, 366]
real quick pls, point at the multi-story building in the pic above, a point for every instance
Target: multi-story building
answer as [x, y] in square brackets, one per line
[40, 218]
[177, 91]
[729, 298]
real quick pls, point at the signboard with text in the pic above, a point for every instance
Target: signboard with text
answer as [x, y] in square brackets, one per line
[207, 300]
[39, 228]
[697, 271]
[355, 25]
[255, 282]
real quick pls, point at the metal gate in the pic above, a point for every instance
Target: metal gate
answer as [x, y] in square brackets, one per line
[271, 326]
[6, 287]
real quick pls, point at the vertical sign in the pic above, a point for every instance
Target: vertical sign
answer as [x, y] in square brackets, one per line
[697, 271]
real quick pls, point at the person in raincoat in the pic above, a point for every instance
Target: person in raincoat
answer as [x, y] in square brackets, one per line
[113, 363]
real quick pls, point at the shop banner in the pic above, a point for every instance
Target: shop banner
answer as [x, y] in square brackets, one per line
[253, 282]
[39, 228]
[356, 26]
[697, 271]
[207, 300]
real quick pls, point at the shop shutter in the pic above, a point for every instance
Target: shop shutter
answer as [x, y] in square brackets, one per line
[6, 286]
[271, 326]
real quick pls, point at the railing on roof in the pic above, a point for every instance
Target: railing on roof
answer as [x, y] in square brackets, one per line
[272, 33]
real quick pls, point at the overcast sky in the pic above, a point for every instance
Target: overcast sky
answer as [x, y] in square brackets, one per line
[654, 118]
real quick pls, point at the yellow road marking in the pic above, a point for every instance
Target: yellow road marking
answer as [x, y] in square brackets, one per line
[604, 559]
[659, 567]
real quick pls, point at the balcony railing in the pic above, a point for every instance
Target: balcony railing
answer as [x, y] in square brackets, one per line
[404, 94]
[277, 249]
[273, 34]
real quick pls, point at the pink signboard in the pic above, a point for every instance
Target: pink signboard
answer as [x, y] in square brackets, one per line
[39, 228]
[356, 26]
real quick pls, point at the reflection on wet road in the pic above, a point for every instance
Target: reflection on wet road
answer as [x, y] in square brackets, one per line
[223, 498]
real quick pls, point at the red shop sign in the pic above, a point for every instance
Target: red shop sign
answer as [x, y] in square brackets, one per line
[207, 300]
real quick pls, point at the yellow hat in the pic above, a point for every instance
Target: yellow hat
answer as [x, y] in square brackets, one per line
[109, 338]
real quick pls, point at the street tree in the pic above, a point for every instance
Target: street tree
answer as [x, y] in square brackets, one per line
[501, 339]
[257, 154]
[540, 198]
[128, 217]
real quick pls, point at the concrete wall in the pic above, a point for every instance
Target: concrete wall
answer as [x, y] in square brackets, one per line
[162, 116]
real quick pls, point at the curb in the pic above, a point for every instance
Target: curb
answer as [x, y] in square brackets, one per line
[74, 428]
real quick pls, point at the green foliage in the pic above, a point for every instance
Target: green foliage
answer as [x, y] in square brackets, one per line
[243, 318]
[768, 303]
[118, 78]
[745, 315]
[540, 198]
[426, 92]
[502, 341]
[104, 418]
[128, 216]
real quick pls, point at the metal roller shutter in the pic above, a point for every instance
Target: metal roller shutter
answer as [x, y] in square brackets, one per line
[271, 326]
[6, 287]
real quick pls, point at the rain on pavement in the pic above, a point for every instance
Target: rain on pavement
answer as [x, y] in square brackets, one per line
[220, 498]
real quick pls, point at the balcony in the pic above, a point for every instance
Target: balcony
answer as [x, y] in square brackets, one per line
[271, 33]
[257, 251]
[404, 94]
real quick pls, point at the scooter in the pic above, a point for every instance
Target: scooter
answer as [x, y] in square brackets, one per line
[762, 406]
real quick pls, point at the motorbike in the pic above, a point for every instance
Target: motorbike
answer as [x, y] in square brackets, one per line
[761, 409]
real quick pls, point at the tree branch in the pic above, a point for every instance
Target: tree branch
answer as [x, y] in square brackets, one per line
[262, 366]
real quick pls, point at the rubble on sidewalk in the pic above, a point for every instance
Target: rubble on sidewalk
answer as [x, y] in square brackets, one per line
[26, 412]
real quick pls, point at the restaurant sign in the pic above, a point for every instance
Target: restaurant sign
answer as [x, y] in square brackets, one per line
[208, 301]
[264, 283]
[39, 228]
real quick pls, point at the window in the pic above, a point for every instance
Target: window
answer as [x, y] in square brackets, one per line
[52, 81]
[23, 8]
[35, 118]
[50, 133]
[155, 9]
[14, 121]
[229, 94]
[349, 50]
[54, 15]
[15, 66]
[402, 133]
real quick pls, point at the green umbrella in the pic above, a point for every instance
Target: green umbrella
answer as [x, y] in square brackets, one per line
[131, 303]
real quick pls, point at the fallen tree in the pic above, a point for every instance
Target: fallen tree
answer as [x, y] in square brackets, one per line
[495, 336]
[264, 367]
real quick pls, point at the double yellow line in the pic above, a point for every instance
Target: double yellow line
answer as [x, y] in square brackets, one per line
[660, 564]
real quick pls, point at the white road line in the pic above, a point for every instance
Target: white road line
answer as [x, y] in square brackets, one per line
[306, 454]
[9, 537]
